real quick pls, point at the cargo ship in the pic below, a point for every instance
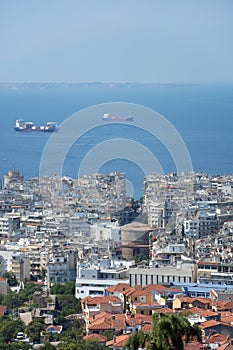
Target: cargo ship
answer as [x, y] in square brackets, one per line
[21, 125]
[116, 118]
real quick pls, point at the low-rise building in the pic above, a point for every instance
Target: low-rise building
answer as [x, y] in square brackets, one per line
[215, 273]
[94, 305]
[184, 272]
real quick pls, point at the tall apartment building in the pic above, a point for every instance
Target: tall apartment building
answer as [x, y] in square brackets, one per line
[20, 266]
[8, 224]
[61, 267]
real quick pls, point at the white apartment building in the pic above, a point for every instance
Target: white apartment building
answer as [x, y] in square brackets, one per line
[8, 224]
[92, 280]
[61, 268]
[106, 230]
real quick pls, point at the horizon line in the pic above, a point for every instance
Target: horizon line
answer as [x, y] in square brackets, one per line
[119, 82]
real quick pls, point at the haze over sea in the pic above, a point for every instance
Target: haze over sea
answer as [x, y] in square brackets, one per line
[202, 114]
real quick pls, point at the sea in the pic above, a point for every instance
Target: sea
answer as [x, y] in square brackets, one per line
[202, 114]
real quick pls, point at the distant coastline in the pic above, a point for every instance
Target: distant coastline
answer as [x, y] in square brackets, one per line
[41, 85]
[202, 114]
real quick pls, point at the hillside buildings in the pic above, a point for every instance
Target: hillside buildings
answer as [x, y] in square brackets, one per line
[61, 229]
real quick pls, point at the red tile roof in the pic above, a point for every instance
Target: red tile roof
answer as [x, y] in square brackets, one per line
[217, 338]
[195, 310]
[117, 322]
[208, 324]
[227, 318]
[204, 300]
[192, 300]
[101, 300]
[2, 279]
[146, 327]
[165, 310]
[223, 305]
[146, 305]
[97, 337]
[120, 288]
[193, 346]
[100, 315]
[224, 347]
[118, 341]
[221, 339]
[203, 313]
[187, 300]
[146, 290]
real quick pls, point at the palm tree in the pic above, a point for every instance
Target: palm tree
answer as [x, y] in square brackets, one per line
[135, 341]
[170, 331]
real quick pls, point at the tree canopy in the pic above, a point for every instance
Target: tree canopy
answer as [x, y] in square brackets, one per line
[34, 329]
[137, 340]
[171, 331]
[11, 278]
[9, 329]
[63, 288]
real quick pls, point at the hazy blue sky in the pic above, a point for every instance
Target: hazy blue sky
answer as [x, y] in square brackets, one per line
[116, 40]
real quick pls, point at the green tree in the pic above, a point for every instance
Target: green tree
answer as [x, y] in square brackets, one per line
[26, 294]
[67, 288]
[68, 304]
[170, 331]
[135, 341]
[14, 300]
[10, 300]
[81, 344]
[19, 346]
[34, 329]
[48, 346]
[9, 329]
[108, 334]
[11, 278]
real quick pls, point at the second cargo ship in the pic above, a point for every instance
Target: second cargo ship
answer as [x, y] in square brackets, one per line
[115, 118]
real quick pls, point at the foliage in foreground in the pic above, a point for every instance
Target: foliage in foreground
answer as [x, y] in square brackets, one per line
[67, 304]
[14, 300]
[137, 340]
[81, 344]
[169, 332]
